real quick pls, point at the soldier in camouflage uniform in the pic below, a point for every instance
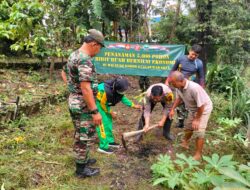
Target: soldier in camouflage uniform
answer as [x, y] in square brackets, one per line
[144, 83]
[82, 85]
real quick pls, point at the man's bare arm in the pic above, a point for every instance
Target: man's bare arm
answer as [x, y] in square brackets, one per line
[64, 77]
[177, 102]
[200, 111]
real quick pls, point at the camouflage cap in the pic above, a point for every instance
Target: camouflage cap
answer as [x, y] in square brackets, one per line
[97, 36]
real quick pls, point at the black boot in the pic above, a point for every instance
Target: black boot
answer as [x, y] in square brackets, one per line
[91, 161]
[139, 127]
[82, 171]
[169, 137]
[180, 123]
[166, 130]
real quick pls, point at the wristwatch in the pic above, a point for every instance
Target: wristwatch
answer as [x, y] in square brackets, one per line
[95, 111]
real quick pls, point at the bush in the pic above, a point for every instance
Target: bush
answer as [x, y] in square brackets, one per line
[240, 106]
[220, 78]
[185, 173]
[221, 106]
[228, 80]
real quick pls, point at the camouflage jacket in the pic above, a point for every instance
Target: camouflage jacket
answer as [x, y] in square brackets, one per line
[79, 68]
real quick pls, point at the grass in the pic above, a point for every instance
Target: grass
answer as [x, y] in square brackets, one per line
[29, 85]
[36, 149]
[39, 156]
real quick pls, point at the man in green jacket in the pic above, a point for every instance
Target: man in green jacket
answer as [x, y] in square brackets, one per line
[109, 94]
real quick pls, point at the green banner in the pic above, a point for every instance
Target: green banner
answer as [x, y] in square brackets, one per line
[137, 58]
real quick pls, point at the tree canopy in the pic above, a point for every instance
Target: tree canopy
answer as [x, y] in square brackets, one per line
[55, 27]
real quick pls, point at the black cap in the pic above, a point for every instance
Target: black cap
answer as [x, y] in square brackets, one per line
[121, 85]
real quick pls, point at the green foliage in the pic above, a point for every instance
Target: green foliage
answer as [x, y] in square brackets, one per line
[241, 138]
[240, 106]
[173, 173]
[229, 123]
[186, 173]
[21, 122]
[53, 27]
[222, 77]
[230, 130]
[224, 30]
[46, 28]
[231, 24]
[185, 32]
[97, 7]
[228, 80]
[221, 105]
[22, 19]
[34, 77]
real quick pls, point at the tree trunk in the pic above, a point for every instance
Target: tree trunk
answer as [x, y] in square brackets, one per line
[177, 15]
[120, 33]
[51, 68]
[115, 29]
[204, 16]
[147, 6]
[131, 20]
[126, 35]
[103, 28]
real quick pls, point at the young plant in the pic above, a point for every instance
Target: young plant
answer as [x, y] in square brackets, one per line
[186, 173]
[229, 123]
[174, 174]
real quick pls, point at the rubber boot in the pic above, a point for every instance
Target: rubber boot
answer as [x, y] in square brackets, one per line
[166, 130]
[139, 127]
[147, 83]
[82, 171]
[144, 83]
[141, 84]
[180, 123]
[91, 161]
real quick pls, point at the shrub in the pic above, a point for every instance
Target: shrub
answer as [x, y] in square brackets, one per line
[228, 80]
[220, 78]
[185, 173]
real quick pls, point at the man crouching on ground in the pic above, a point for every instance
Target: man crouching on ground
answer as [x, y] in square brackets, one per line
[199, 108]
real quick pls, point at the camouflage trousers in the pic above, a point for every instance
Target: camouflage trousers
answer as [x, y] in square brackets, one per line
[84, 128]
[144, 83]
[181, 113]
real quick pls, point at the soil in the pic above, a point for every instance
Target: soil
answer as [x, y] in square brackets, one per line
[133, 165]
